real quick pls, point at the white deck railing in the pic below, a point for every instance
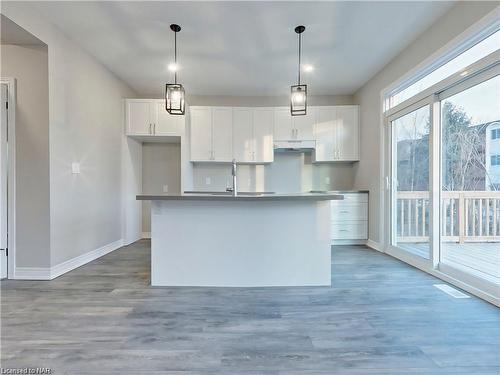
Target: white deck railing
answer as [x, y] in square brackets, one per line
[469, 216]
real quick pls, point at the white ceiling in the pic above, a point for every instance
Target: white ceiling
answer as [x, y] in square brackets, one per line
[244, 48]
[12, 33]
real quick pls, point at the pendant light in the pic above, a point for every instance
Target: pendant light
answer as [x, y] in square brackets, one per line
[175, 102]
[298, 94]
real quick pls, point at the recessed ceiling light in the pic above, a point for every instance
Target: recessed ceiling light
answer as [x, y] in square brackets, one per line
[464, 73]
[307, 68]
[173, 67]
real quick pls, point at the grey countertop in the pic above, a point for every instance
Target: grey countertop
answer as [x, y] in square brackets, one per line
[242, 197]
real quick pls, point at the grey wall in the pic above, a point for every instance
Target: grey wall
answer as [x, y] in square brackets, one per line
[161, 165]
[85, 126]
[29, 65]
[367, 171]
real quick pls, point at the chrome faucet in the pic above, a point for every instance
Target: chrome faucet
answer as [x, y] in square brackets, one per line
[234, 189]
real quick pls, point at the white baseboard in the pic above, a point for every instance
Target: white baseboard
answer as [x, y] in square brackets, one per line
[374, 245]
[146, 235]
[33, 273]
[347, 242]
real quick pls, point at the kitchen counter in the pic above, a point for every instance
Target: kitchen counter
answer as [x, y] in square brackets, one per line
[241, 197]
[248, 240]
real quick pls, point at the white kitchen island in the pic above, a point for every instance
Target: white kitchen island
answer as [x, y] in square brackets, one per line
[240, 241]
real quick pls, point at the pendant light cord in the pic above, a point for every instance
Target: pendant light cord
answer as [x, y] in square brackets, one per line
[175, 56]
[300, 46]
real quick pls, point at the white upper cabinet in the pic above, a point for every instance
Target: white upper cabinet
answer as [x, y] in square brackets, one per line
[288, 127]
[324, 133]
[243, 138]
[201, 133]
[147, 117]
[139, 116]
[253, 135]
[211, 134]
[303, 125]
[222, 134]
[263, 124]
[283, 129]
[336, 132]
[348, 132]
[165, 123]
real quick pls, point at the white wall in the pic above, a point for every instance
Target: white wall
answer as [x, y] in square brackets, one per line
[29, 65]
[367, 171]
[85, 126]
[161, 165]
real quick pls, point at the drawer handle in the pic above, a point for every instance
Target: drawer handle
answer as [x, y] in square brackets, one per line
[344, 212]
[343, 230]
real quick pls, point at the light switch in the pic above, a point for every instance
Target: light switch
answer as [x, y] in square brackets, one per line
[208, 181]
[165, 188]
[75, 168]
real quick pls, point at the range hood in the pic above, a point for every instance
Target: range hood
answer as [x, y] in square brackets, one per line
[294, 146]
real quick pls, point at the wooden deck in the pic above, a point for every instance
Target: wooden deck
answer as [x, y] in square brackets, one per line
[478, 257]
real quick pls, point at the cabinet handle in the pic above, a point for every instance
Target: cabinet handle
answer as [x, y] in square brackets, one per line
[154, 128]
[149, 128]
[344, 212]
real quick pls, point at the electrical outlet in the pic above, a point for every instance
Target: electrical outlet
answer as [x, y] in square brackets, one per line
[165, 188]
[208, 180]
[327, 180]
[75, 168]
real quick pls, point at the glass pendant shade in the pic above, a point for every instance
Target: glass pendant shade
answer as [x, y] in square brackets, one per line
[175, 102]
[298, 100]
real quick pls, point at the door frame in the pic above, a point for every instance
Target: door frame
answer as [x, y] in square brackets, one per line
[11, 172]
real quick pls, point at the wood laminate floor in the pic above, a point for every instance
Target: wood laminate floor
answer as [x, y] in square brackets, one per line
[380, 317]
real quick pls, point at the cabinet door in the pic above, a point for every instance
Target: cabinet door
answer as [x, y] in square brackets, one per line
[165, 123]
[242, 135]
[282, 124]
[139, 113]
[222, 133]
[263, 119]
[348, 132]
[303, 125]
[201, 134]
[324, 134]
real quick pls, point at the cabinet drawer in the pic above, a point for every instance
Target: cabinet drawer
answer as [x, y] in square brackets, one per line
[352, 198]
[349, 212]
[353, 231]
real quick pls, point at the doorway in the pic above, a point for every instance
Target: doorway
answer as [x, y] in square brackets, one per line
[4, 166]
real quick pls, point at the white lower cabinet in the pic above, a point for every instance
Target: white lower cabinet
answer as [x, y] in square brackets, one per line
[349, 218]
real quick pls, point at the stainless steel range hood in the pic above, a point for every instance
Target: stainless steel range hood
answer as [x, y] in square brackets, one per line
[294, 146]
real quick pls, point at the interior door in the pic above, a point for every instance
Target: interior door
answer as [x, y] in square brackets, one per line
[201, 134]
[139, 117]
[263, 119]
[167, 124]
[347, 133]
[222, 133]
[3, 181]
[243, 135]
[324, 133]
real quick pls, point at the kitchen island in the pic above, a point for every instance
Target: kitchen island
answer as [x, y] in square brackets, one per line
[251, 240]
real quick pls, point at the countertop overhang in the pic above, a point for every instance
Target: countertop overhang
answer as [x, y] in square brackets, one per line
[242, 197]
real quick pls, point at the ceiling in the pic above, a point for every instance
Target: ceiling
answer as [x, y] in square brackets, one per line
[12, 33]
[244, 48]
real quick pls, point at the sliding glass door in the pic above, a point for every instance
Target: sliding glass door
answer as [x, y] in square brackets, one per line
[410, 211]
[470, 179]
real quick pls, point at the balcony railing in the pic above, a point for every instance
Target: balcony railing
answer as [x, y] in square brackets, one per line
[468, 216]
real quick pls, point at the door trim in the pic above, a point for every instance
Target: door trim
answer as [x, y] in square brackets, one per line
[11, 170]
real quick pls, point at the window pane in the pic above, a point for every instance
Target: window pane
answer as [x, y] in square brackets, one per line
[411, 191]
[470, 56]
[470, 206]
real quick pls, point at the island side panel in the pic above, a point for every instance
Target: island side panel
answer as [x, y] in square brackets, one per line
[240, 244]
